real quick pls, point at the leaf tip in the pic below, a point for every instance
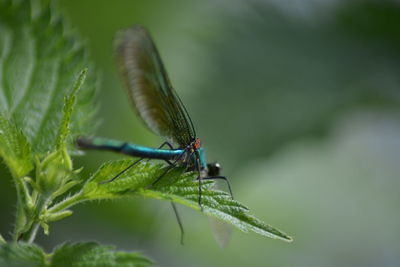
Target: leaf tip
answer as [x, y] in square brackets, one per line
[288, 239]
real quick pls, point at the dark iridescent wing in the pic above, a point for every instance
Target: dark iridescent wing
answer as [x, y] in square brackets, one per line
[149, 87]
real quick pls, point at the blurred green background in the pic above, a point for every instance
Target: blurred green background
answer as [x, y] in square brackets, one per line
[297, 99]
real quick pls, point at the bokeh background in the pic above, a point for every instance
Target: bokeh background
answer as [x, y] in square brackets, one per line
[297, 99]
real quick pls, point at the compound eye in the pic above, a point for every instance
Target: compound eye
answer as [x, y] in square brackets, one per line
[214, 168]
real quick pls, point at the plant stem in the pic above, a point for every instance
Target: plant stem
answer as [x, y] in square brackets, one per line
[31, 234]
[41, 204]
[68, 202]
[20, 218]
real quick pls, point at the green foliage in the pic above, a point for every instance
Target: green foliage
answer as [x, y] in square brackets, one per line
[40, 112]
[54, 175]
[176, 186]
[69, 102]
[21, 254]
[184, 189]
[14, 148]
[39, 61]
[69, 254]
[92, 254]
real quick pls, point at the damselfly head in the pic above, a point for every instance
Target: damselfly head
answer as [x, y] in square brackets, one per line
[194, 145]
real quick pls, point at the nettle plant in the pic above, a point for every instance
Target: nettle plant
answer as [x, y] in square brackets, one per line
[46, 99]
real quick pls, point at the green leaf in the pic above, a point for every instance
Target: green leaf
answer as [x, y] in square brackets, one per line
[21, 255]
[93, 254]
[176, 186]
[39, 62]
[136, 178]
[41, 66]
[69, 254]
[14, 149]
[215, 203]
[69, 102]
